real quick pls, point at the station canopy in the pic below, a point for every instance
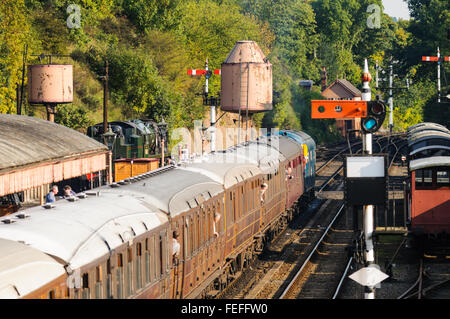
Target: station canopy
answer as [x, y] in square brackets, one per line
[35, 152]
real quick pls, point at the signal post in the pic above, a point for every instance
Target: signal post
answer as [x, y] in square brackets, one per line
[372, 114]
[368, 210]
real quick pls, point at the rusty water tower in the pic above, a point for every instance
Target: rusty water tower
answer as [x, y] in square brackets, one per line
[49, 85]
[246, 80]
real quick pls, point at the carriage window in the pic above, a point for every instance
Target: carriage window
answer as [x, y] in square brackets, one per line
[85, 282]
[119, 276]
[205, 225]
[129, 272]
[247, 197]
[52, 294]
[194, 228]
[197, 231]
[230, 217]
[443, 178]
[251, 194]
[161, 260]
[153, 259]
[419, 177]
[138, 269]
[98, 282]
[201, 234]
[424, 178]
[427, 177]
[233, 205]
[108, 279]
[147, 262]
[187, 240]
[241, 209]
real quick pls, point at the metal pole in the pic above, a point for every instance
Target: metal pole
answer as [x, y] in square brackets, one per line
[246, 115]
[391, 99]
[50, 112]
[25, 52]
[110, 174]
[376, 76]
[18, 99]
[213, 113]
[163, 143]
[368, 209]
[240, 98]
[439, 74]
[105, 100]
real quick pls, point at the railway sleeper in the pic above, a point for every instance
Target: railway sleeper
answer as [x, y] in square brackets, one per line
[238, 262]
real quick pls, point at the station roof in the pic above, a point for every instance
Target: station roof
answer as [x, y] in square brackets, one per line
[34, 152]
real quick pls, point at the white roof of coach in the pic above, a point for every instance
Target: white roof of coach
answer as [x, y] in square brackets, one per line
[79, 232]
[24, 269]
[434, 161]
[174, 191]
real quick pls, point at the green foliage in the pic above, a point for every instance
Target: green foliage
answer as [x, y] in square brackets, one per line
[150, 15]
[150, 44]
[321, 130]
[73, 116]
[294, 26]
[14, 33]
[209, 30]
[409, 104]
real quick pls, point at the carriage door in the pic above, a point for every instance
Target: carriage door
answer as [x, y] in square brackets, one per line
[177, 262]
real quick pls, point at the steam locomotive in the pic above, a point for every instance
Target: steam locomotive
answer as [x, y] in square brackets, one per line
[130, 139]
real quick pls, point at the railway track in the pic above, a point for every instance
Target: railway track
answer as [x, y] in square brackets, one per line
[433, 282]
[276, 266]
[311, 258]
[321, 272]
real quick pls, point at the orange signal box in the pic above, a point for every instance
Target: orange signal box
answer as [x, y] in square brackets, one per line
[335, 109]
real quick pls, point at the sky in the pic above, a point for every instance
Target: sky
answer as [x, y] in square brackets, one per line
[396, 8]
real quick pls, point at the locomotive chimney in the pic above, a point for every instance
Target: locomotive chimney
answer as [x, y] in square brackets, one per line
[323, 79]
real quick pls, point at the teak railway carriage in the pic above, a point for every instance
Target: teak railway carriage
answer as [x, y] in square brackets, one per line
[118, 242]
[428, 192]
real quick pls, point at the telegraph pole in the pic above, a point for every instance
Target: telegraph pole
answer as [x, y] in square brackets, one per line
[391, 99]
[439, 74]
[391, 89]
[105, 98]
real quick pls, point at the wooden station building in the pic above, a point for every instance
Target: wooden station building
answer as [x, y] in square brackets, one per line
[36, 153]
[341, 89]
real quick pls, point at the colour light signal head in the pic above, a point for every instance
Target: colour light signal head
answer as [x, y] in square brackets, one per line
[375, 118]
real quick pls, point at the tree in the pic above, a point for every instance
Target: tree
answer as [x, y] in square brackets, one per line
[150, 15]
[209, 30]
[73, 116]
[293, 23]
[14, 33]
[343, 25]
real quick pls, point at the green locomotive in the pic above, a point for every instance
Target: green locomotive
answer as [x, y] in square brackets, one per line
[132, 139]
